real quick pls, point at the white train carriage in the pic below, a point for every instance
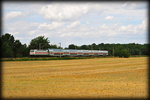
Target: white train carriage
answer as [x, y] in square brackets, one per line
[105, 53]
[65, 52]
[59, 52]
[55, 52]
[68, 52]
[35, 52]
[85, 52]
[80, 52]
[73, 52]
[51, 52]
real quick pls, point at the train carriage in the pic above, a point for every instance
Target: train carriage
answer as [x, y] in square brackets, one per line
[68, 52]
[73, 52]
[55, 52]
[80, 53]
[35, 52]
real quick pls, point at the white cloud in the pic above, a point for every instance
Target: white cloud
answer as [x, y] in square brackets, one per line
[51, 26]
[13, 14]
[144, 25]
[70, 21]
[109, 17]
[134, 5]
[135, 29]
[117, 29]
[74, 24]
[108, 30]
[63, 11]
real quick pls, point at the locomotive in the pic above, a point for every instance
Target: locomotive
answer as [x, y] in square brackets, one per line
[67, 52]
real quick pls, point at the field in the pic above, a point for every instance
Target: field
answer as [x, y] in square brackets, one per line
[82, 78]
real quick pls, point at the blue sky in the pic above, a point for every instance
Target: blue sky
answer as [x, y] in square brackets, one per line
[76, 22]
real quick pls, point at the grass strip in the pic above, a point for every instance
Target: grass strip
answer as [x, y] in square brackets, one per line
[43, 58]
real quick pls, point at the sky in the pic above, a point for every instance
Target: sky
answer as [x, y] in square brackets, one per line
[77, 23]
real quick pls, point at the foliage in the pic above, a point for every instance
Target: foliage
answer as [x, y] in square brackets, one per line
[122, 53]
[39, 42]
[53, 46]
[72, 46]
[11, 47]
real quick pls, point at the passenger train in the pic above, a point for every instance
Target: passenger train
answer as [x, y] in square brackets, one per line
[67, 52]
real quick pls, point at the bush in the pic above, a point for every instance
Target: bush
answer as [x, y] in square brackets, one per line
[125, 53]
[122, 53]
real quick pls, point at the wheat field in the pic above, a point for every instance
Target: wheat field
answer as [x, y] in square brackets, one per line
[82, 78]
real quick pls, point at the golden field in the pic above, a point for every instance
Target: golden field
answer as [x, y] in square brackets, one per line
[82, 78]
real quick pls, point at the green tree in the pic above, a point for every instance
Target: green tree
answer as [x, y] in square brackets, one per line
[72, 46]
[7, 41]
[122, 53]
[17, 46]
[39, 42]
[144, 49]
[94, 46]
[24, 50]
[53, 46]
[125, 53]
[7, 50]
[11, 47]
[84, 47]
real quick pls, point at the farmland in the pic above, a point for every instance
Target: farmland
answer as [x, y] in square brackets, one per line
[79, 78]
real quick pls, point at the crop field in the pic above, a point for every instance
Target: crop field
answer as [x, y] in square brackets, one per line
[82, 78]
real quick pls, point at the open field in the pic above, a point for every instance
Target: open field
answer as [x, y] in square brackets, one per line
[95, 78]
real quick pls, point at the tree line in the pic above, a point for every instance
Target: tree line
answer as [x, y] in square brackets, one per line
[14, 48]
[118, 50]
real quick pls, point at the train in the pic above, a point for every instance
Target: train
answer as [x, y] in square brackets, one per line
[67, 52]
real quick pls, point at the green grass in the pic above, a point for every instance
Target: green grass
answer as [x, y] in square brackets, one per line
[46, 58]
